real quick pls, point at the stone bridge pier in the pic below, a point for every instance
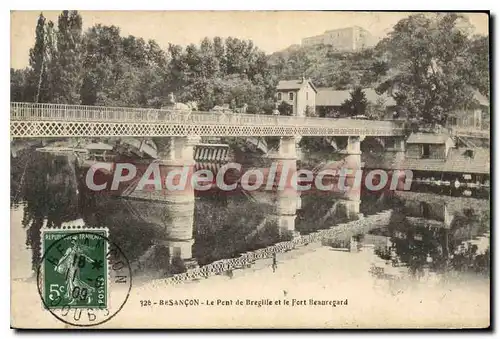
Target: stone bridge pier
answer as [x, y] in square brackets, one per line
[352, 177]
[176, 167]
[285, 161]
[353, 153]
[288, 147]
[176, 151]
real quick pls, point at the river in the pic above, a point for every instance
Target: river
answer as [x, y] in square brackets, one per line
[428, 233]
[438, 242]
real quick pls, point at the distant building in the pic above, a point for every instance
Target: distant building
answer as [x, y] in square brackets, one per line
[328, 101]
[301, 94]
[348, 39]
[428, 146]
[434, 155]
[475, 116]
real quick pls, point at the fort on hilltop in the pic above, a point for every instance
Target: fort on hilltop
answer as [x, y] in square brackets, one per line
[347, 39]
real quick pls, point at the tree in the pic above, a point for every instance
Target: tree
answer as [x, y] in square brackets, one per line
[378, 109]
[18, 84]
[153, 80]
[123, 71]
[38, 82]
[220, 54]
[356, 104]
[134, 51]
[309, 111]
[478, 55]
[429, 73]
[103, 65]
[100, 67]
[66, 65]
[210, 66]
[285, 108]
[177, 70]
[218, 72]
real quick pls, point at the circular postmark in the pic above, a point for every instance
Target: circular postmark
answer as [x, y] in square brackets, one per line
[83, 278]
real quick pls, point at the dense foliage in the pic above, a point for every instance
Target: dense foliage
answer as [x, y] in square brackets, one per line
[435, 66]
[430, 64]
[356, 104]
[285, 108]
[101, 67]
[326, 66]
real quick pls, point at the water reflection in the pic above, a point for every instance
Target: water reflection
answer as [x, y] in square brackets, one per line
[47, 187]
[437, 234]
[229, 227]
[428, 233]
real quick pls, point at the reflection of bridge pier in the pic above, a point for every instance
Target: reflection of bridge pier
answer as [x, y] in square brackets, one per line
[350, 201]
[350, 209]
[179, 237]
[174, 227]
[180, 254]
[179, 221]
[286, 205]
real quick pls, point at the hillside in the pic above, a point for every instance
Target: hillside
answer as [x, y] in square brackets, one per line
[327, 67]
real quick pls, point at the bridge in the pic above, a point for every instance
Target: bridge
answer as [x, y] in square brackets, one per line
[34, 120]
[176, 133]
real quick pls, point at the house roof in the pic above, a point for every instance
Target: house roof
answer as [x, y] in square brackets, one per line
[455, 162]
[427, 138]
[483, 101]
[331, 97]
[286, 85]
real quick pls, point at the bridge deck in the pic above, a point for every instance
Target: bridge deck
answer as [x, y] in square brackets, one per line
[29, 120]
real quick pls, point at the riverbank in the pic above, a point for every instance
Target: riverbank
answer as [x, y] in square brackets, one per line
[319, 273]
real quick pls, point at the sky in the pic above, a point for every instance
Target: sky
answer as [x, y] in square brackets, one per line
[271, 31]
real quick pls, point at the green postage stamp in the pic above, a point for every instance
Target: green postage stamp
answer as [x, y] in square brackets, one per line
[74, 268]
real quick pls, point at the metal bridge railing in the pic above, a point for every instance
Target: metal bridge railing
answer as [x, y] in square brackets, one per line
[21, 111]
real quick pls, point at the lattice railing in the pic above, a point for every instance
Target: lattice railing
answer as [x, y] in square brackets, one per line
[56, 120]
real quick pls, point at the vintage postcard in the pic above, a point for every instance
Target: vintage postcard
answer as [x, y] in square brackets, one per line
[251, 169]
